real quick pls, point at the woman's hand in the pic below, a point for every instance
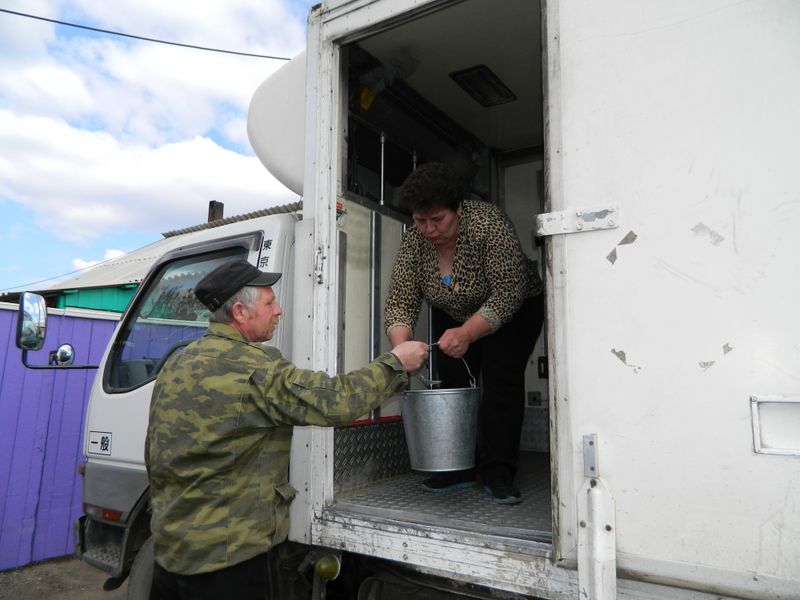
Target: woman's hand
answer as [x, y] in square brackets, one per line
[455, 342]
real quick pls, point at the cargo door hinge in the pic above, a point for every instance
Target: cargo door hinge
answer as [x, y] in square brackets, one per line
[577, 220]
[597, 547]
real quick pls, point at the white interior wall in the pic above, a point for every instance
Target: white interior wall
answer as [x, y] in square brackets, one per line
[522, 202]
[357, 307]
[357, 282]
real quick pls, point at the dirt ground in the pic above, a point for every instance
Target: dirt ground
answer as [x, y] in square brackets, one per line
[65, 578]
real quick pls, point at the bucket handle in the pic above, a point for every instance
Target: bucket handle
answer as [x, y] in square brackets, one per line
[472, 383]
[471, 377]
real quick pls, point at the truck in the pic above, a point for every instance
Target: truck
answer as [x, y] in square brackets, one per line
[645, 153]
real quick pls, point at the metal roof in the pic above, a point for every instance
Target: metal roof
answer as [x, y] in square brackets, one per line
[131, 267]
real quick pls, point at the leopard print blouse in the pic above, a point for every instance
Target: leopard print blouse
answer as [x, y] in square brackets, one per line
[491, 274]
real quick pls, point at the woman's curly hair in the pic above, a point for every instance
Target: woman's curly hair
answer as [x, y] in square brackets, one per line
[431, 186]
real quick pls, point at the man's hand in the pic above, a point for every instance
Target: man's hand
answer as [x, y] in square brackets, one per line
[412, 354]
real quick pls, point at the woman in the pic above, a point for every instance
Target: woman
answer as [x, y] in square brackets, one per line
[464, 258]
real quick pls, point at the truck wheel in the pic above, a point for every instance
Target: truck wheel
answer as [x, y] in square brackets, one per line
[141, 576]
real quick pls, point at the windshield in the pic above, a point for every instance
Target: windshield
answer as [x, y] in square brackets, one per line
[164, 320]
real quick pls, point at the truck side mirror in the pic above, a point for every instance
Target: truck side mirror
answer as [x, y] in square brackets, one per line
[31, 329]
[31, 321]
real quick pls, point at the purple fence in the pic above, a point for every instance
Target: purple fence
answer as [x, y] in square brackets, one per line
[41, 437]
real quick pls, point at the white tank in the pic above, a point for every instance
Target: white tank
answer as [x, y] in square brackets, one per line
[276, 123]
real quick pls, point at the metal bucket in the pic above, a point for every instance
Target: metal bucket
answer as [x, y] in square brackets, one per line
[441, 428]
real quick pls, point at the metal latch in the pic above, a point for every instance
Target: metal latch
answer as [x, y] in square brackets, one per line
[591, 464]
[319, 259]
[577, 220]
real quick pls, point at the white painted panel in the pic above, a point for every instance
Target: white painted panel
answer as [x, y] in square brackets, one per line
[685, 115]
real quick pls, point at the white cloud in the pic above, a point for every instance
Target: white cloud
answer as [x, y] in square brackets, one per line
[23, 40]
[79, 263]
[147, 92]
[46, 88]
[83, 184]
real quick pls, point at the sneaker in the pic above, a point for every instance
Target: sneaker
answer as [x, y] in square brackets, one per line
[503, 492]
[450, 481]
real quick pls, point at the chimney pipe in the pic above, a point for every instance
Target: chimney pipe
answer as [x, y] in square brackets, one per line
[215, 210]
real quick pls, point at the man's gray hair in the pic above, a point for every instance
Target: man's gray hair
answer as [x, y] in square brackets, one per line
[248, 296]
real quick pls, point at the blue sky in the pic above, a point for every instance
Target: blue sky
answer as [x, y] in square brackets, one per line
[107, 142]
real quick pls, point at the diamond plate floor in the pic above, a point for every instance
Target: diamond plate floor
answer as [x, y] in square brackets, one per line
[403, 498]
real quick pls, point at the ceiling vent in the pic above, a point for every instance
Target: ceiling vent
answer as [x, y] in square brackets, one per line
[481, 83]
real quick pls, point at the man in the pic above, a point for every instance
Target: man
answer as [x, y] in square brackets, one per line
[217, 448]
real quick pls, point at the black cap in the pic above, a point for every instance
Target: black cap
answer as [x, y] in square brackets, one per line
[222, 283]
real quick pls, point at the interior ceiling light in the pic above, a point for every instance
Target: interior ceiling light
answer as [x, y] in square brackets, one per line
[481, 83]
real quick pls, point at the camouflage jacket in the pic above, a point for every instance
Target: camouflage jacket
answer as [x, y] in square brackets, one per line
[217, 448]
